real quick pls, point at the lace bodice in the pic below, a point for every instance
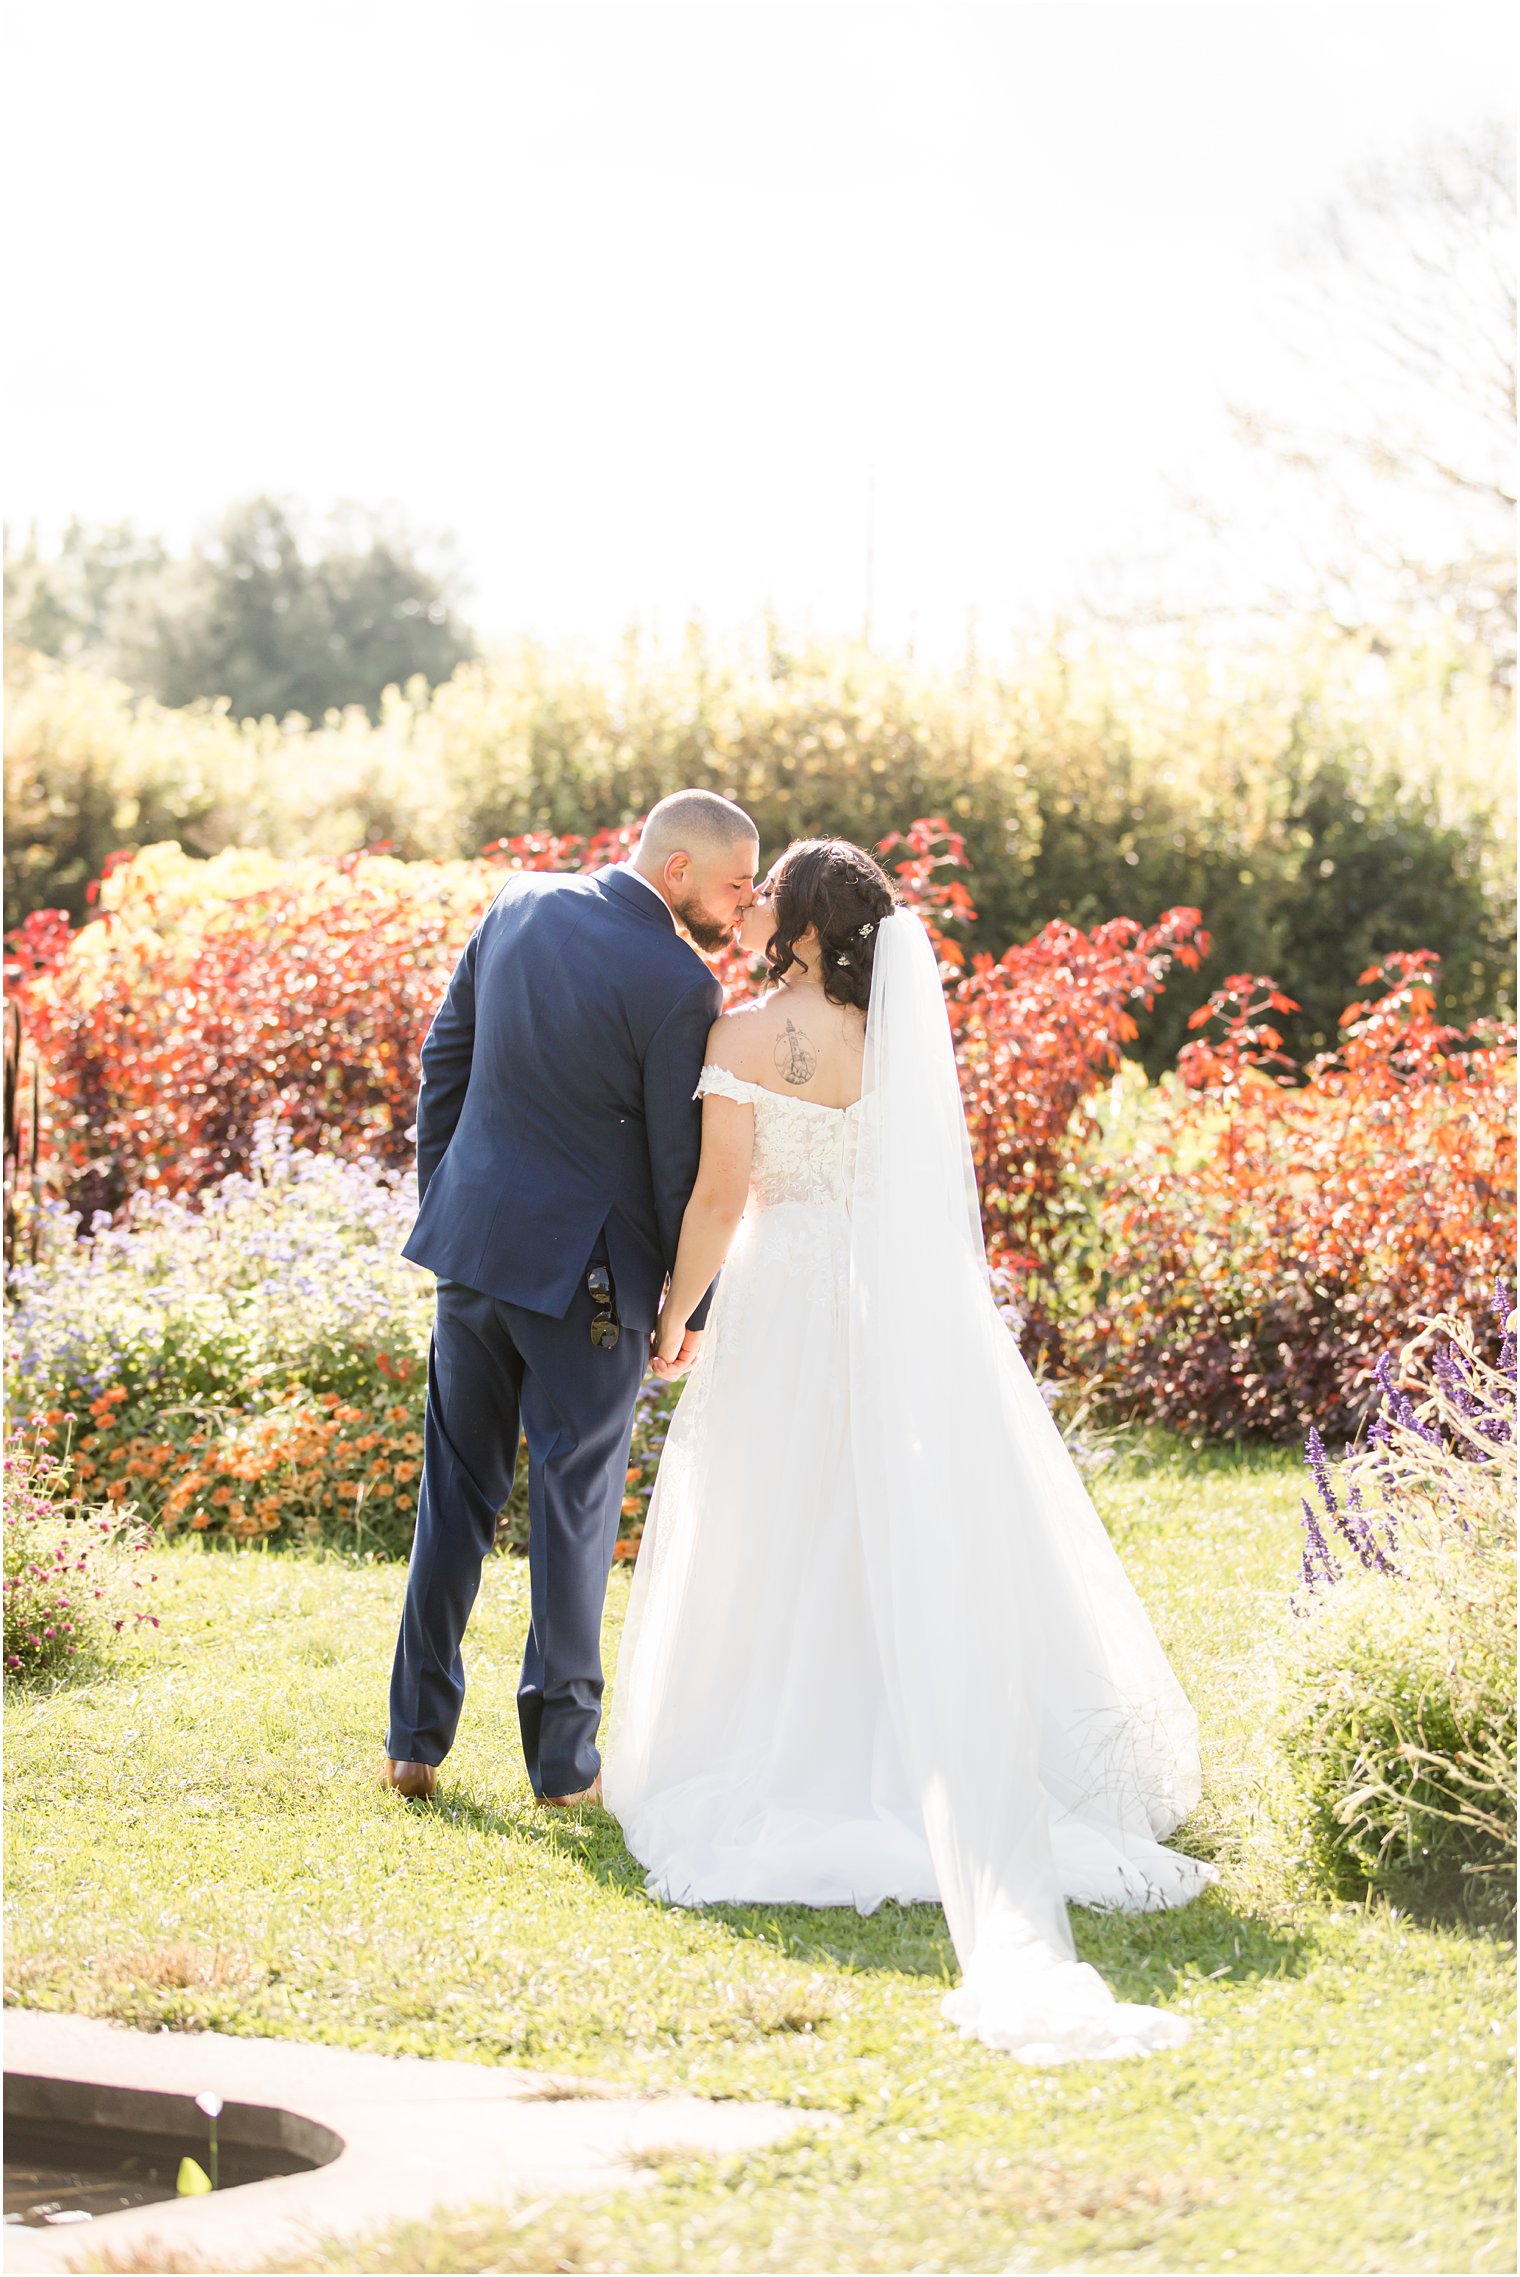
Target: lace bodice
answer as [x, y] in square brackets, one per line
[803, 1152]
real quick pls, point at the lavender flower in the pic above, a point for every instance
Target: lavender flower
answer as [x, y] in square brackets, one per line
[1452, 1374]
[1503, 1306]
[1319, 1464]
[293, 1273]
[1400, 1404]
[1316, 1550]
[1465, 1390]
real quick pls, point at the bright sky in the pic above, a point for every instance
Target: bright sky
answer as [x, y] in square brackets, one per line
[635, 299]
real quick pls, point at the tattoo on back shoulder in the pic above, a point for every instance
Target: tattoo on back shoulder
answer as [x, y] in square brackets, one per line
[796, 1058]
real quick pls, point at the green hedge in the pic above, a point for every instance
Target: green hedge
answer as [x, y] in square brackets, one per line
[1320, 807]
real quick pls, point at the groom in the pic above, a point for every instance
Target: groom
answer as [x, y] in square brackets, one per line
[557, 1146]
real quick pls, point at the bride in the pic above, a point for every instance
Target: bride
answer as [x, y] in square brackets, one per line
[878, 1643]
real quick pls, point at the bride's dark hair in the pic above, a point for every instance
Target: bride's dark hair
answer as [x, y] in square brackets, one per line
[837, 889]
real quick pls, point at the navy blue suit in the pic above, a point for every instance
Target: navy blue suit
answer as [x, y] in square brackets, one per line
[555, 1128]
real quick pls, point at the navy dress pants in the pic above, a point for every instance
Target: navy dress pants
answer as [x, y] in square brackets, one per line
[497, 1373]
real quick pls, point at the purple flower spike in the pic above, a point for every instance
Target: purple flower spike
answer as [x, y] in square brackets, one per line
[1361, 1539]
[1316, 1549]
[1401, 1405]
[1319, 1463]
[1451, 1373]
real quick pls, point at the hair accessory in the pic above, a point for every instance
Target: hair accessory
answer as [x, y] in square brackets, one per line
[865, 931]
[841, 960]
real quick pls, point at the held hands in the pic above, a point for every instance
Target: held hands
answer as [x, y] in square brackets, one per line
[674, 1346]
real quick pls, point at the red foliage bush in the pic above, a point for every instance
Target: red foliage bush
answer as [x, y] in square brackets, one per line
[1259, 1233]
[183, 1011]
[1037, 1032]
[1265, 1240]
[172, 1021]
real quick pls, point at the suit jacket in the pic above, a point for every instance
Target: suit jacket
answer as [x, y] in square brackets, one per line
[556, 1101]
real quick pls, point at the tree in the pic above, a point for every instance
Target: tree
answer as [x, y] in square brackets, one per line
[1408, 323]
[69, 605]
[1385, 506]
[272, 618]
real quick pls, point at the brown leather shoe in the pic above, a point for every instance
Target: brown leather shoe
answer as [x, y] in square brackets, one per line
[416, 1779]
[591, 1794]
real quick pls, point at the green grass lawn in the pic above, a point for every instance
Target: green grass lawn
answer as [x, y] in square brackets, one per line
[197, 1841]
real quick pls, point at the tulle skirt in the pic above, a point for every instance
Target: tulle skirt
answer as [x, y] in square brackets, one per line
[755, 1748]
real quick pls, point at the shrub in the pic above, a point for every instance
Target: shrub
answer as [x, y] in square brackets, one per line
[252, 1365]
[1319, 805]
[1400, 1717]
[1242, 1246]
[1207, 1249]
[205, 996]
[248, 1363]
[1037, 1033]
[71, 1568]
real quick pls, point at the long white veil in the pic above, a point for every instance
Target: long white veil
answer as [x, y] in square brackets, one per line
[1046, 1739]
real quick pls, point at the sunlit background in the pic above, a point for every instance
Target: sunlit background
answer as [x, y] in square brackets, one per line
[919, 321]
[1067, 450]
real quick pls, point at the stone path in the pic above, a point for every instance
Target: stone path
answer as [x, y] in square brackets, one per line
[417, 2136]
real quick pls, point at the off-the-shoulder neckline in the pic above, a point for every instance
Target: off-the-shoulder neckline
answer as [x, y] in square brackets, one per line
[818, 1106]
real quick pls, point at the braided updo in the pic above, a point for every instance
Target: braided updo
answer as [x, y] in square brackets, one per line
[837, 889]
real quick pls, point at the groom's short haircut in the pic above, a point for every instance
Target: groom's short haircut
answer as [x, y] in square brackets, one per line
[698, 823]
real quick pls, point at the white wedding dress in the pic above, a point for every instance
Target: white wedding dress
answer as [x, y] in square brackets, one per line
[878, 1643]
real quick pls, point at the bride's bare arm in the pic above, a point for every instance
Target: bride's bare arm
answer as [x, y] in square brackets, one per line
[712, 1215]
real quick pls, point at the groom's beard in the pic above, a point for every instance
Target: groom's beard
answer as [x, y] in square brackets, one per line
[703, 927]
